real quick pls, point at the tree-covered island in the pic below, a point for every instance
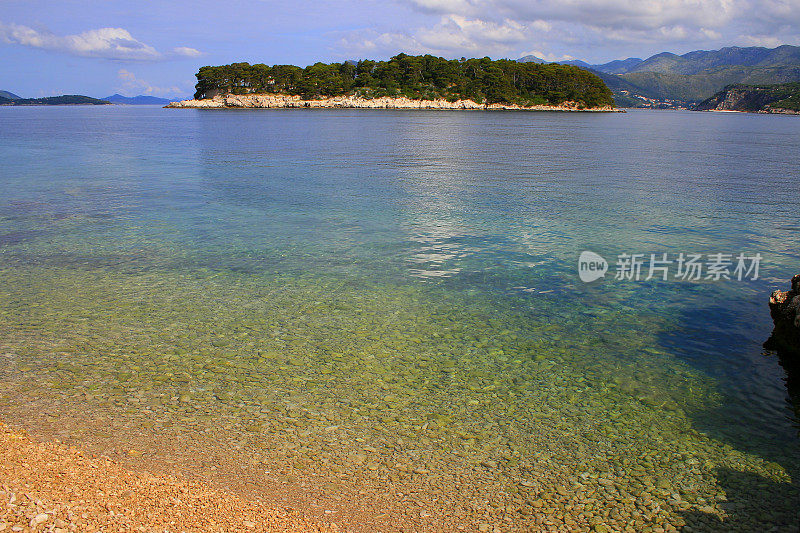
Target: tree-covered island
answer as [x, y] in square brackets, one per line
[427, 77]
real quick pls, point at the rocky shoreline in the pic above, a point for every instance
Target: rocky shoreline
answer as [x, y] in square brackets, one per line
[269, 101]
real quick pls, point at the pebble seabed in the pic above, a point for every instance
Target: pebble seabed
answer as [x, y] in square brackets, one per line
[381, 407]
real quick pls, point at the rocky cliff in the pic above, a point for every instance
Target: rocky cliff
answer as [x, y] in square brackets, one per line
[781, 99]
[290, 101]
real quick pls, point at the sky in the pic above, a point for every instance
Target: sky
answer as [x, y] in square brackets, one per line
[98, 48]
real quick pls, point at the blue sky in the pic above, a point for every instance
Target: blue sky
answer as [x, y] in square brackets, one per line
[99, 48]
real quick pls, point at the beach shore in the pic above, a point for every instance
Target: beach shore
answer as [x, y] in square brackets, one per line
[52, 487]
[266, 101]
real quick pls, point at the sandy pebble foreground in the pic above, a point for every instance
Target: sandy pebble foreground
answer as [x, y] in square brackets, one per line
[57, 488]
[289, 101]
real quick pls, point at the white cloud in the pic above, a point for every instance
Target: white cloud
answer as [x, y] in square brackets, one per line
[550, 58]
[111, 43]
[768, 41]
[457, 32]
[711, 35]
[507, 27]
[453, 34]
[133, 85]
[186, 51]
[107, 43]
[465, 7]
[372, 42]
[633, 14]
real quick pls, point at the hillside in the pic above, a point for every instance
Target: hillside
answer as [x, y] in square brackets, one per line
[414, 77]
[694, 76]
[626, 93]
[701, 61]
[696, 87]
[783, 98]
[10, 96]
[68, 99]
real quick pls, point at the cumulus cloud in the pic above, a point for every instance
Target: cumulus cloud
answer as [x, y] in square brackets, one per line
[131, 84]
[452, 33]
[498, 27]
[107, 43]
[633, 14]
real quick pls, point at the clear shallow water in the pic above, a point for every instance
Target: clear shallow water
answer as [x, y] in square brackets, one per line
[361, 304]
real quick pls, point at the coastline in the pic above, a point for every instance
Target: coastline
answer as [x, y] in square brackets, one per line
[279, 101]
[778, 111]
[773, 111]
[50, 486]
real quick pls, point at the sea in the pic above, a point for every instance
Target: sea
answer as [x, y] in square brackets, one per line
[413, 320]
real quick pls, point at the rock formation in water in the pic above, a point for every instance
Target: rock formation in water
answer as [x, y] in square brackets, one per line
[784, 306]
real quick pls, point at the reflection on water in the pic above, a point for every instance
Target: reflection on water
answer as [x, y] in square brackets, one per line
[382, 308]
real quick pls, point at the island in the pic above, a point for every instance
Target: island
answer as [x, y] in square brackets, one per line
[402, 82]
[67, 99]
[783, 98]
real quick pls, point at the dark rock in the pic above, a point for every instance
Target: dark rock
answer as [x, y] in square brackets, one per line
[784, 306]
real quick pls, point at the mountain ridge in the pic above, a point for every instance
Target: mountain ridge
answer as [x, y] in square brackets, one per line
[141, 99]
[681, 80]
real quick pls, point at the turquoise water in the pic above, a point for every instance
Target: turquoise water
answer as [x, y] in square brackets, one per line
[356, 304]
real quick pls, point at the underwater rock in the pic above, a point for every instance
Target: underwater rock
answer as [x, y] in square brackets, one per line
[784, 307]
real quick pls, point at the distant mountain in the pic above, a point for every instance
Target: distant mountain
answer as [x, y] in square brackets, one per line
[10, 96]
[577, 63]
[692, 77]
[531, 59]
[783, 98]
[619, 66]
[700, 61]
[67, 99]
[136, 100]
